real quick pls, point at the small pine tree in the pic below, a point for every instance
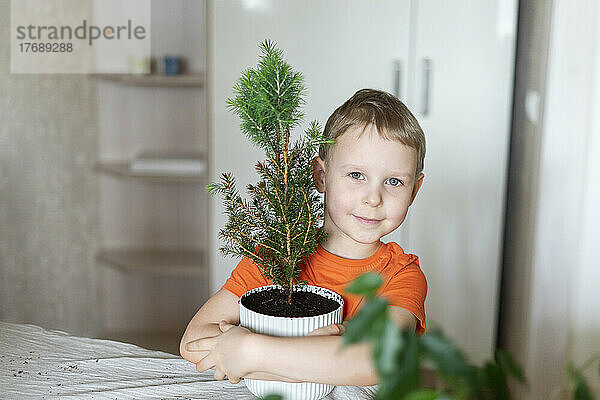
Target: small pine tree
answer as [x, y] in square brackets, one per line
[281, 224]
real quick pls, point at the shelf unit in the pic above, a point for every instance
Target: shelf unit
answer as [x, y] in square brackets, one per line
[155, 80]
[153, 283]
[121, 170]
[152, 256]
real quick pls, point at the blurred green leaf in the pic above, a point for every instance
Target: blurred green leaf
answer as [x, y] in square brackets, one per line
[368, 322]
[406, 378]
[495, 380]
[273, 397]
[582, 390]
[423, 394]
[365, 285]
[387, 348]
[398, 354]
[509, 366]
[451, 364]
[444, 354]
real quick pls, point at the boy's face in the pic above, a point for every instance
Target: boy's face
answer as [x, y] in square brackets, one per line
[369, 183]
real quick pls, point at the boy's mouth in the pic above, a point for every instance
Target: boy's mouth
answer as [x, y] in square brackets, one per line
[367, 220]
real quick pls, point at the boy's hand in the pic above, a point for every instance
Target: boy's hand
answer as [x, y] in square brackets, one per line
[225, 352]
[329, 330]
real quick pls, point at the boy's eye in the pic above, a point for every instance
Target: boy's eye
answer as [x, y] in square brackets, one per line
[395, 182]
[355, 175]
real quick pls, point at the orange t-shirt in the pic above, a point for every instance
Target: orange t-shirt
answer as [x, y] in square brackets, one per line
[404, 283]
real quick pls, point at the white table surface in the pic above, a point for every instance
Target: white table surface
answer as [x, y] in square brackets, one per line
[40, 364]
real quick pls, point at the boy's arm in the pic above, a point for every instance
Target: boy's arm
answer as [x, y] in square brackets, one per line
[321, 359]
[403, 318]
[222, 306]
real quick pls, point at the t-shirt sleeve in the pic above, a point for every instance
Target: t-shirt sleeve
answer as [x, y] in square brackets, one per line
[244, 277]
[407, 288]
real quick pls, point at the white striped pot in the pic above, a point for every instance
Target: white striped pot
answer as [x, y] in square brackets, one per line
[289, 326]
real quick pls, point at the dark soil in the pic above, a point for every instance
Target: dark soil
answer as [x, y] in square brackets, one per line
[274, 302]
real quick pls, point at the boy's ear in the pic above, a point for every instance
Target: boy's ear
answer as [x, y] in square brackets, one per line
[318, 174]
[416, 187]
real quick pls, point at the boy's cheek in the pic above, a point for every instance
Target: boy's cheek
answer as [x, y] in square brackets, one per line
[338, 205]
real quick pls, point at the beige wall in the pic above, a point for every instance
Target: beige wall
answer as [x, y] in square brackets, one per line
[48, 197]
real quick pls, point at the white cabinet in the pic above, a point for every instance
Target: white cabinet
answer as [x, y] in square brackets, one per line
[452, 64]
[456, 223]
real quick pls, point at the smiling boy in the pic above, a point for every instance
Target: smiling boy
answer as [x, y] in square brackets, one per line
[369, 178]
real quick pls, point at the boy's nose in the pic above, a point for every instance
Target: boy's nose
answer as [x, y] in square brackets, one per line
[372, 197]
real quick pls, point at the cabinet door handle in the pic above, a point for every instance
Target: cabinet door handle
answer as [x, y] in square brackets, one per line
[398, 78]
[427, 68]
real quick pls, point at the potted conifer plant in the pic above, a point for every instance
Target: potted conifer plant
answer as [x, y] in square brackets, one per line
[280, 225]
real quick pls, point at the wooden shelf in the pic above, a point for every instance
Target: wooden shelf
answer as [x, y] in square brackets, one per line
[156, 261]
[121, 170]
[155, 80]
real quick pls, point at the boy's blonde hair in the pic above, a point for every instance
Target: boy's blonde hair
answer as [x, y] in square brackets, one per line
[390, 116]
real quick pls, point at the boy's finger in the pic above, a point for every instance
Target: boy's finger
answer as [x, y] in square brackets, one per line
[324, 331]
[234, 379]
[224, 326]
[219, 375]
[316, 332]
[205, 364]
[204, 344]
[329, 330]
[196, 356]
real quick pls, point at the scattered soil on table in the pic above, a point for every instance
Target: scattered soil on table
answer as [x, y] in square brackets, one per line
[274, 302]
